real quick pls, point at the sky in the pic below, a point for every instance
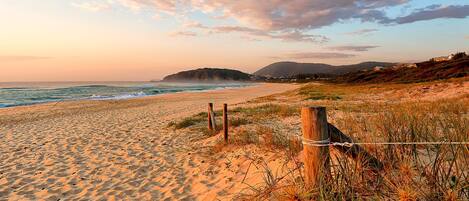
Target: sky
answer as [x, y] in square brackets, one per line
[140, 40]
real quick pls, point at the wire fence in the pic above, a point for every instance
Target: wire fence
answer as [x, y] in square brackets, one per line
[327, 142]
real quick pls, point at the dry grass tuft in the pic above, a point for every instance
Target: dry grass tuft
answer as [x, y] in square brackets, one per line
[407, 195]
[237, 121]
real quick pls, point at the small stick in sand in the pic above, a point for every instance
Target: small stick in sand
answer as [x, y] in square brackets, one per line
[225, 122]
[209, 117]
[214, 122]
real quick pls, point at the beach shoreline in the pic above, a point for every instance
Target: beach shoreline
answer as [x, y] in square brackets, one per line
[112, 149]
[236, 94]
[24, 94]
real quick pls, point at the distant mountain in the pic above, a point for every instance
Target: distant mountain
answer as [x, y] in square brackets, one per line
[435, 69]
[208, 75]
[289, 69]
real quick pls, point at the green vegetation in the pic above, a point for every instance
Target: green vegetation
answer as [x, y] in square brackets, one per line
[209, 74]
[186, 122]
[267, 111]
[314, 95]
[189, 121]
[240, 116]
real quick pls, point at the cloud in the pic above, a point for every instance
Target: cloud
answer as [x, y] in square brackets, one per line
[290, 20]
[297, 14]
[251, 34]
[20, 58]
[274, 15]
[92, 6]
[300, 37]
[432, 12]
[355, 48]
[361, 32]
[193, 24]
[288, 36]
[183, 33]
[279, 15]
[240, 29]
[467, 37]
[170, 7]
[316, 55]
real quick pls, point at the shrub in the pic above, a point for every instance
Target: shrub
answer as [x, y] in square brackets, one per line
[459, 55]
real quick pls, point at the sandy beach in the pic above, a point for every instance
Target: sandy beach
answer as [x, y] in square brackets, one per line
[113, 150]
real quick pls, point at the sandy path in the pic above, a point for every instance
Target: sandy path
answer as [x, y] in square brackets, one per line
[120, 150]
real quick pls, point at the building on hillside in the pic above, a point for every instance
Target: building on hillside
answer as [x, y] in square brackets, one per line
[442, 58]
[405, 65]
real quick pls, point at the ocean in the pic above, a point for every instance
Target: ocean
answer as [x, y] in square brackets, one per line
[18, 94]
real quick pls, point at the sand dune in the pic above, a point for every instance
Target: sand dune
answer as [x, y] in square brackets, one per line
[112, 150]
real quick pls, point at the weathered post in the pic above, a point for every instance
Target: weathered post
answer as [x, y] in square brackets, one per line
[315, 138]
[209, 116]
[214, 121]
[225, 122]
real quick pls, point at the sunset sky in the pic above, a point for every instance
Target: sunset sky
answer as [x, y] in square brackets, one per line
[123, 40]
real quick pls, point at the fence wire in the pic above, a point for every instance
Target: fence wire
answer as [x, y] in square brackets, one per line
[327, 142]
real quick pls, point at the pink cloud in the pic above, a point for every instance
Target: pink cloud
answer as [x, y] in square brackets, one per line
[355, 48]
[315, 55]
[275, 14]
[287, 36]
[291, 20]
[183, 33]
[361, 32]
[295, 14]
[93, 6]
[280, 15]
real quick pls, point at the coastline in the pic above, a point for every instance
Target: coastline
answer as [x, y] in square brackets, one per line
[78, 91]
[116, 149]
[253, 91]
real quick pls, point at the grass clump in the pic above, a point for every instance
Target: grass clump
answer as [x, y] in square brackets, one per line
[315, 95]
[318, 93]
[238, 116]
[244, 137]
[279, 140]
[186, 122]
[237, 121]
[268, 111]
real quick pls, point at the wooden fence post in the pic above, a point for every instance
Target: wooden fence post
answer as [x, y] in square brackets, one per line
[209, 116]
[316, 158]
[225, 122]
[214, 121]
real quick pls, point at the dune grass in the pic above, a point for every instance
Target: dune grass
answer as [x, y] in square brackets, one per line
[411, 172]
[239, 116]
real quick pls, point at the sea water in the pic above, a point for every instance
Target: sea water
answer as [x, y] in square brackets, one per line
[17, 94]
